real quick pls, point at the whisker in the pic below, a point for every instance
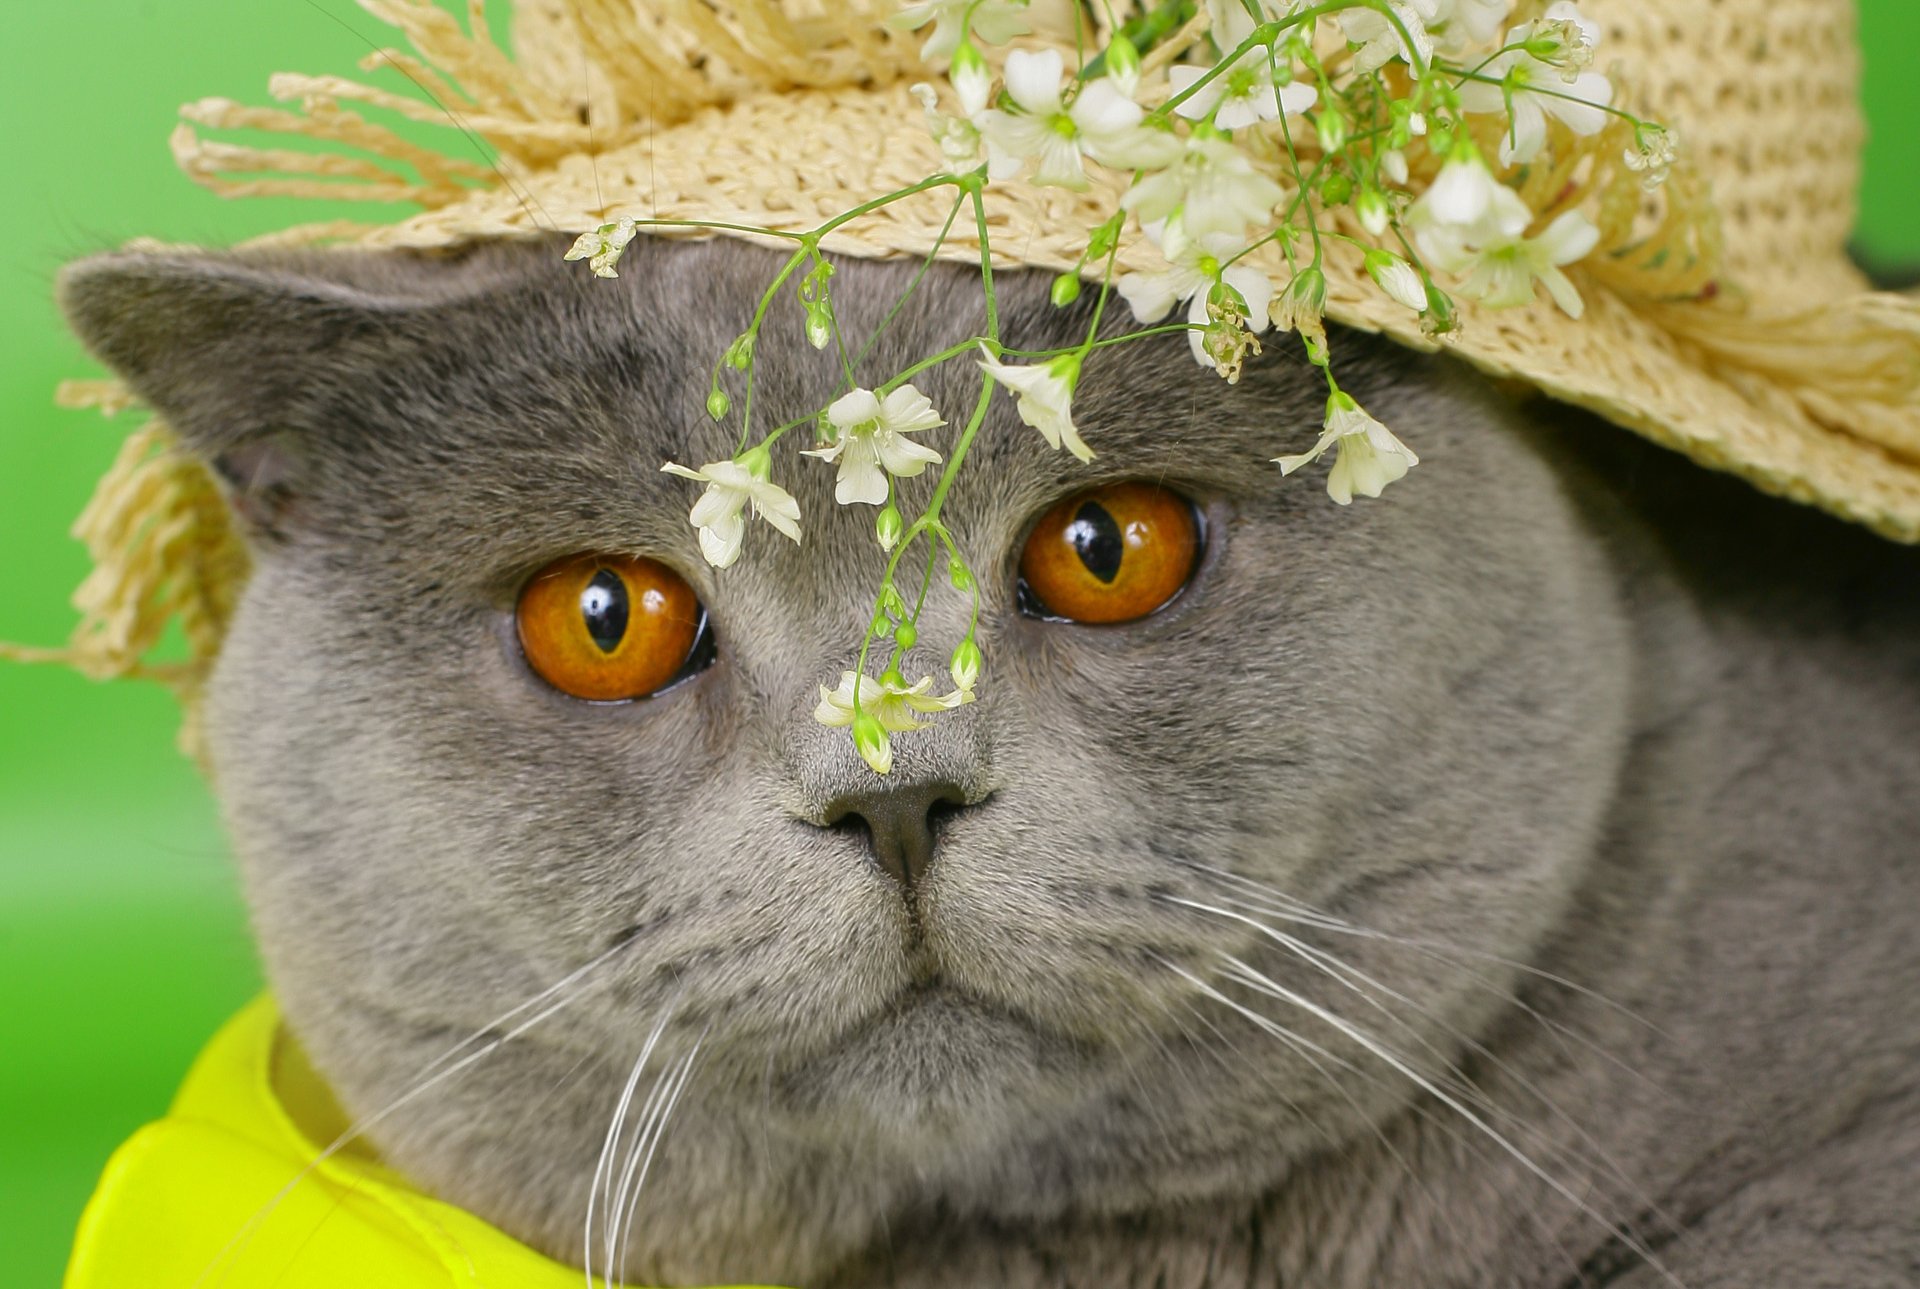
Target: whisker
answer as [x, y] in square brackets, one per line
[1293, 909]
[1346, 975]
[601, 1185]
[431, 1078]
[659, 1132]
[1254, 979]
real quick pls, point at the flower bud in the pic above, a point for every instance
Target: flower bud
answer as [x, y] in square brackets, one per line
[906, 635]
[1397, 278]
[1331, 126]
[972, 78]
[1335, 189]
[1066, 289]
[1123, 64]
[959, 575]
[718, 404]
[887, 526]
[871, 741]
[1100, 245]
[819, 325]
[965, 664]
[1373, 209]
[740, 352]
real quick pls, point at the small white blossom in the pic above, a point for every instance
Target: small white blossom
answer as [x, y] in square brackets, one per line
[604, 246]
[731, 487]
[1462, 26]
[871, 442]
[1652, 155]
[1192, 276]
[1045, 398]
[1499, 267]
[1101, 123]
[887, 706]
[1367, 455]
[958, 139]
[1393, 164]
[1464, 194]
[1533, 90]
[1230, 23]
[1242, 95]
[994, 21]
[1213, 189]
[1380, 41]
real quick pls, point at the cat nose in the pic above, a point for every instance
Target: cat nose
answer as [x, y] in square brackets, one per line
[900, 821]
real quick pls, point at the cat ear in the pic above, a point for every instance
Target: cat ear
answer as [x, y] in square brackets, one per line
[242, 353]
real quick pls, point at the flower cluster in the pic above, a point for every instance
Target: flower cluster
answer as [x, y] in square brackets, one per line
[1293, 139]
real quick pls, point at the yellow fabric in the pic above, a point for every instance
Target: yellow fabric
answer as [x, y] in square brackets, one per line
[189, 1201]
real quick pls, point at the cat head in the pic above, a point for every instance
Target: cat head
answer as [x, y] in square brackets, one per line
[1399, 718]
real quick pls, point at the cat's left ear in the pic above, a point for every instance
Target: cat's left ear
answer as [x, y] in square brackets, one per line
[244, 353]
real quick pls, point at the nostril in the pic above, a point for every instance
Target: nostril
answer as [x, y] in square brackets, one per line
[941, 812]
[902, 822]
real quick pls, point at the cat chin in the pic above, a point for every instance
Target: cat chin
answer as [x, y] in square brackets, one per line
[938, 1062]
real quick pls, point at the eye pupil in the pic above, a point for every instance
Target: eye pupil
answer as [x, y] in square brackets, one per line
[1096, 538]
[603, 606]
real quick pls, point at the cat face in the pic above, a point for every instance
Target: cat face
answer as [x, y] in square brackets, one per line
[1401, 716]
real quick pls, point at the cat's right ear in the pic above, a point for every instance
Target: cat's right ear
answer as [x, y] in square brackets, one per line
[242, 353]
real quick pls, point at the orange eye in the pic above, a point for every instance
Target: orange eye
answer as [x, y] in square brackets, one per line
[1112, 554]
[606, 627]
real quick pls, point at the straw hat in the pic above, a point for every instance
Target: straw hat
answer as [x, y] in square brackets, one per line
[1723, 318]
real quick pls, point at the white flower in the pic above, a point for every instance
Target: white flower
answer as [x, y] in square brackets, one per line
[1367, 455]
[872, 443]
[1499, 268]
[1045, 398]
[1241, 95]
[958, 139]
[1214, 189]
[1229, 22]
[1465, 194]
[1397, 278]
[1380, 41]
[1461, 26]
[1537, 90]
[887, 706]
[1652, 154]
[1193, 275]
[731, 485]
[1102, 123]
[604, 246]
[994, 21]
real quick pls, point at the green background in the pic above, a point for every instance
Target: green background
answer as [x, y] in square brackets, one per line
[122, 943]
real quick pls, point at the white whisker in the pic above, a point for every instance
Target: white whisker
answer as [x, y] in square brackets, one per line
[659, 1130]
[1254, 979]
[437, 1072]
[602, 1182]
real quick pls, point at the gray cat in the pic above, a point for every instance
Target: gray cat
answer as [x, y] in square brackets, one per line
[1509, 882]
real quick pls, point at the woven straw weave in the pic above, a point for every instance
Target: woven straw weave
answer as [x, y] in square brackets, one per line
[1756, 350]
[1723, 318]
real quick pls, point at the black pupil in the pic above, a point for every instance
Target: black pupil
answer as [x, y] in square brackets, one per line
[604, 607]
[1097, 539]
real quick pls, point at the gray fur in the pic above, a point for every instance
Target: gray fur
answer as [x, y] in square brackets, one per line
[1558, 700]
